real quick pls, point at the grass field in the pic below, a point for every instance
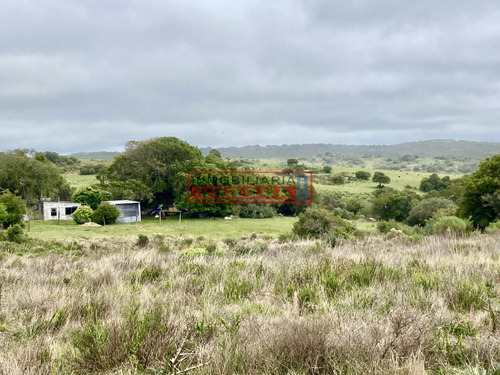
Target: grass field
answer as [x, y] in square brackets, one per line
[77, 180]
[399, 179]
[172, 305]
[213, 228]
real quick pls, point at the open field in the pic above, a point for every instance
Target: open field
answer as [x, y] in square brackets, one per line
[399, 180]
[77, 180]
[214, 228]
[168, 304]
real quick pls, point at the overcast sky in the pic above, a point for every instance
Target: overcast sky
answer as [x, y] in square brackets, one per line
[89, 75]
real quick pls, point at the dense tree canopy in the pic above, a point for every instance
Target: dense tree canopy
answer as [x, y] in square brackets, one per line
[424, 209]
[155, 171]
[434, 182]
[28, 174]
[156, 163]
[393, 204]
[480, 200]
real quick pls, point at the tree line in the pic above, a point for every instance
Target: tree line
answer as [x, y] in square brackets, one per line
[155, 172]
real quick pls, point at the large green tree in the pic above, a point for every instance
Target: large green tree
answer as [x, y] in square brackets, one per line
[381, 178]
[156, 163]
[434, 182]
[391, 204]
[480, 200]
[158, 169]
[27, 174]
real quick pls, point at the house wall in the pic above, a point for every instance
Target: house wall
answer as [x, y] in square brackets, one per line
[61, 210]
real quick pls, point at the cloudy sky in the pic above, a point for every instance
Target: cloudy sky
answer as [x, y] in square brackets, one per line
[89, 75]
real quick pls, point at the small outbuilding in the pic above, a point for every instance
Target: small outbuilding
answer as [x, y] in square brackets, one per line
[130, 211]
[57, 210]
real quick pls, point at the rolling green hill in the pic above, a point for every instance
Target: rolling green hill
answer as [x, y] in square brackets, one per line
[441, 147]
[98, 155]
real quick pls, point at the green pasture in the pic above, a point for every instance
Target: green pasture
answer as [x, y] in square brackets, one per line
[77, 180]
[214, 228]
[399, 181]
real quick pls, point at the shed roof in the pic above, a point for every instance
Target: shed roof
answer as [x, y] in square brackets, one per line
[121, 202]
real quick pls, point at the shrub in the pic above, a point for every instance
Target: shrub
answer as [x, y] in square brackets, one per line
[82, 215]
[426, 208]
[434, 182]
[90, 169]
[230, 241]
[384, 226]
[464, 297]
[317, 222]
[142, 240]
[13, 209]
[15, 233]
[287, 237]
[337, 179]
[235, 290]
[256, 211]
[389, 204]
[307, 297]
[493, 227]
[450, 225]
[105, 214]
[150, 274]
[88, 196]
[363, 175]
[193, 252]
[3, 214]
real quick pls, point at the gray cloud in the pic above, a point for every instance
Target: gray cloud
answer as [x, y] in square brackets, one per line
[91, 75]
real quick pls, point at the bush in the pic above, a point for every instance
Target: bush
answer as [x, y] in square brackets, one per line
[363, 175]
[142, 240]
[426, 208]
[389, 204]
[493, 227]
[318, 222]
[88, 196]
[434, 182]
[337, 179]
[90, 169]
[13, 209]
[15, 233]
[255, 211]
[193, 252]
[82, 215]
[105, 214]
[450, 225]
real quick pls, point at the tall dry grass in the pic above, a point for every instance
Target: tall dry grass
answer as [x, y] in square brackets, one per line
[165, 305]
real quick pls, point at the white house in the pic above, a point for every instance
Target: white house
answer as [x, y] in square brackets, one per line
[57, 210]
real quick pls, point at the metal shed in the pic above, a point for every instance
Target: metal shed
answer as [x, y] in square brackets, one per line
[130, 211]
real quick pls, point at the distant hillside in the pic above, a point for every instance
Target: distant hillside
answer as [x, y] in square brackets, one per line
[98, 155]
[441, 147]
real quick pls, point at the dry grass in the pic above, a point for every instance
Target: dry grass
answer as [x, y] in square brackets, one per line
[251, 306]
